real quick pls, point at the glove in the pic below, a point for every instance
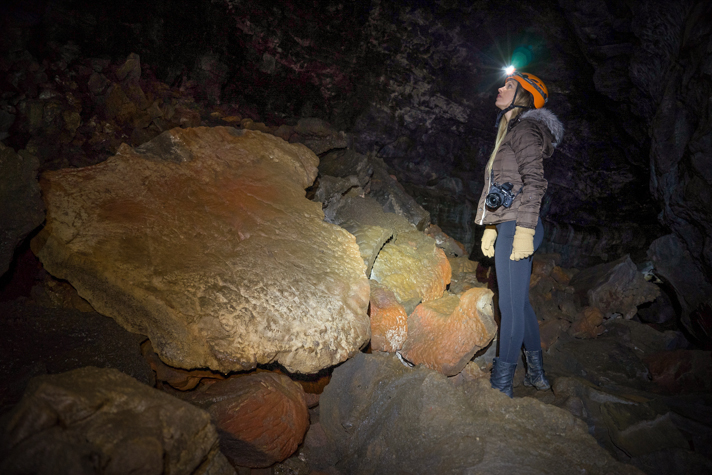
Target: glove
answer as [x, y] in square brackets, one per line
[488, 239]
[523, 244]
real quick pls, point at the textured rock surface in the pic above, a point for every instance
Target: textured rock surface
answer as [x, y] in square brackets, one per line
[261, 418]
[616, 287]
[444, 334]
[370, 240]
[373, 400]
[587, 323]
[389, 322]
[681, 370]
[21, 207]
[94, 420]
[413, 267]
[202, 239]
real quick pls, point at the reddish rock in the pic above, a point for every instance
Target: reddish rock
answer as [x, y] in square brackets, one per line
[180, 379]
[444, 334]
[542, 266]
[588, 324]
[681, 370]
[261, 418]
[389, 321]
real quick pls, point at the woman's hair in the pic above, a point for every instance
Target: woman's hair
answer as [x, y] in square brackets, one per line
[525, 99]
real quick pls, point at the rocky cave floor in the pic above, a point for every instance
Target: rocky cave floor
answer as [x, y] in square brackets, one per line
[641, 388]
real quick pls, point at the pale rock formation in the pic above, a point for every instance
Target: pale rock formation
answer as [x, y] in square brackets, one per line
[203, 240]
[414, 268]
[93, 420]
[444, 334]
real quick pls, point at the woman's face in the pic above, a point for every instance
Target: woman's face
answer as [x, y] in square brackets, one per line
[506, 94]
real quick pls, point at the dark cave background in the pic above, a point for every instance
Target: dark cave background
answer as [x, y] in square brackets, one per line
[414, 83]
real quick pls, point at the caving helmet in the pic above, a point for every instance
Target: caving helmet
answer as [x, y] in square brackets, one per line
[531, 84]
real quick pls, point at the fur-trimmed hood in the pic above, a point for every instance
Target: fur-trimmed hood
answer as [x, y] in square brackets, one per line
[548, 118]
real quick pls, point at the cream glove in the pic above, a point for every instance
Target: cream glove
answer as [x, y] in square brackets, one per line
[488, 239]
[523, 244]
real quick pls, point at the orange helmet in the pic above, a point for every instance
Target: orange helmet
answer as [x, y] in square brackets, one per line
[534, 85]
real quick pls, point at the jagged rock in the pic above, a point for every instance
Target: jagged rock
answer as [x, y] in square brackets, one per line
[318, 135]
[385, 189]
[175, 377]
[21, 207]
[373, 401]
[202, 239]
[639, 429]
[38, 340]
[413, 267]
[681, 370]
[550, 331]
[673, 263]
[588, 323]
[464, 275]
[355, 207]
[331, 189]
[462, 264]
[370, 240]
[344, 163]
[261, 418]
[445, 242]
[444, 334]
[389, 322]
[93, 420]
[615, 287]
[131, 69]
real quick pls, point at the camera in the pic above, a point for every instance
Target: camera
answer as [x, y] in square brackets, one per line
[500, 195]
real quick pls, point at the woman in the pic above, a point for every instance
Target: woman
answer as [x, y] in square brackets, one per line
[526, 135]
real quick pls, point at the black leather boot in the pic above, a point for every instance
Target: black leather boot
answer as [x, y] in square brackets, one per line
[535, 371]
[502, 376]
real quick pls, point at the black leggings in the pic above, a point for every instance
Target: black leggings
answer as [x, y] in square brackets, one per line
[519, 324]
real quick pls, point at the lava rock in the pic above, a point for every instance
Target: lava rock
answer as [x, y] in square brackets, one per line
[203, 240]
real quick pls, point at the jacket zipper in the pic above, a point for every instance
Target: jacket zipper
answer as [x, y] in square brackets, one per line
[484, 207]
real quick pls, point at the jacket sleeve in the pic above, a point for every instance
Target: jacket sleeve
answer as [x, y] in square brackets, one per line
[528, 150]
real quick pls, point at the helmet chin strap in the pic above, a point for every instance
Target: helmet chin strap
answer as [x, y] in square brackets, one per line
[511, 106]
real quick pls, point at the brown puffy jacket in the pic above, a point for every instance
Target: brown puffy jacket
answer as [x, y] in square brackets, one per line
[532, 136]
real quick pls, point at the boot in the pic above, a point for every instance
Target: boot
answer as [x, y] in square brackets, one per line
[535, 371]
[502, 376]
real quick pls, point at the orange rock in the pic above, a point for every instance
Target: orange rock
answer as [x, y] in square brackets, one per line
[444, 334]
[389, 321]
[588, 324]
[261, 418]
[180, 379]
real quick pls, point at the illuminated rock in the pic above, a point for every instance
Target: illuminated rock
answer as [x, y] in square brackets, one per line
[389, 322]
[444, 334]
[413, 267]
[203, 240]
[261, 418]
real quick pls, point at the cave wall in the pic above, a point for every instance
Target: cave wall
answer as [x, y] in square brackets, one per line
[415, 82]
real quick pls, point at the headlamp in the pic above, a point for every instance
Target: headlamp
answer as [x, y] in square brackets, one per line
[509, 70]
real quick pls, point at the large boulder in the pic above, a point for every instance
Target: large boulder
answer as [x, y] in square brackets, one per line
[21, 207]
[445, 334]
[382, 417]
[389, 322]
[614, 287]
[93, 420]
[414, 268]
[261, 418]
[203, 240]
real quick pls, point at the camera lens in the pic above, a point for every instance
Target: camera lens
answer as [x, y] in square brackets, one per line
[493, 200]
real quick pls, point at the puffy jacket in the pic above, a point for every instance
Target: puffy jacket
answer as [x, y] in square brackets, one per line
[532, 136]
